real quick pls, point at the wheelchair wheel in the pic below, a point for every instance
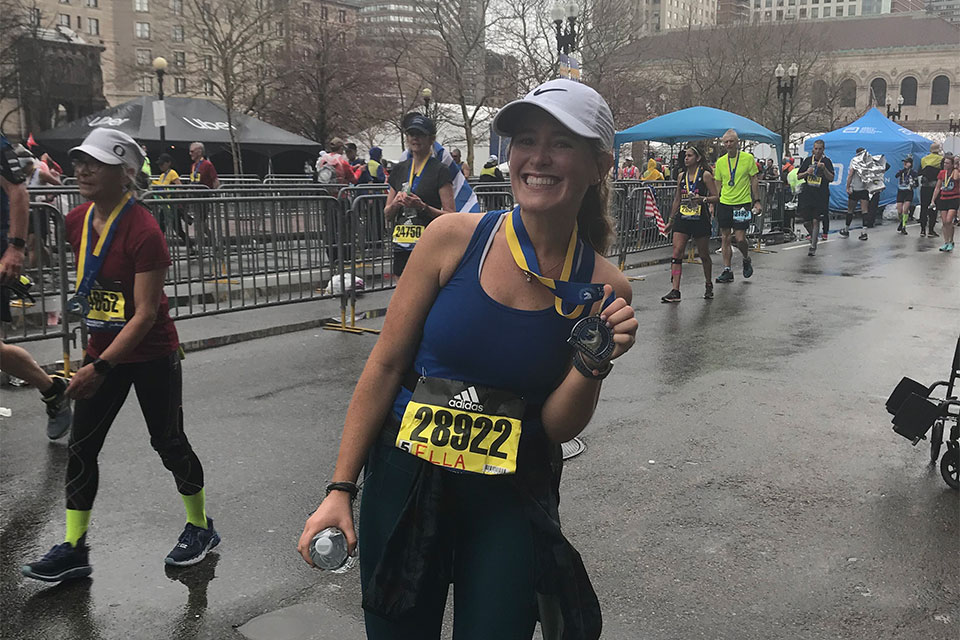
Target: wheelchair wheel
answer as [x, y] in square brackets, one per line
[936, 441]
[950, 468]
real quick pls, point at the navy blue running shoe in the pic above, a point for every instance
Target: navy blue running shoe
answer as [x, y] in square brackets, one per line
[193, 545]
[62, 562]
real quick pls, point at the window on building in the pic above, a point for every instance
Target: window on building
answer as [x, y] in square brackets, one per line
[826, 12]
[64, 1]
[878, 92]
[179, 59]
[839, 12]
[142, 30]
[176, 7]
[177, 33]
[279, 29]
[93, 26]
[207, 88]
[852, 10]
[180, 85]
[305, 8]
[803, 12]
[940, 90]
[35, 17]
[145, 84]
[78, 23]
[342, 38]
[342, 16]
[64, 19]
[144, 57]
[848, 93]
[908, 89]
[141, 5]
[324, 14]
[207, 63]
[93, 4]
[815, 13]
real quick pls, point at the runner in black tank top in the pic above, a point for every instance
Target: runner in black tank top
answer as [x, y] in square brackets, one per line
[690, 218]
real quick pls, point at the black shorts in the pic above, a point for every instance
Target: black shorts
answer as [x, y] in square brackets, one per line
[725, 216]
[904, 196]
[946, 205]
[808, 211]
[400, 257]
[693, 227]
[859, 195]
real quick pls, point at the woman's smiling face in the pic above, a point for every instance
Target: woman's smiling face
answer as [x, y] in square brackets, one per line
[549, 165]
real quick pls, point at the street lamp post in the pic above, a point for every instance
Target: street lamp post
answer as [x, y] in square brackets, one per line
[566, 33]
[954, 124]
[895, 114]
[160, 66]
[426, 94]
[784, 92]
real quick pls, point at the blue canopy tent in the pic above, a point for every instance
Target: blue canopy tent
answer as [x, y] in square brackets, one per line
[697, 123]
[877, 135]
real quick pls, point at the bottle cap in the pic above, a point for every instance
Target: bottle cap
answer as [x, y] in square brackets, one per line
[323, 545]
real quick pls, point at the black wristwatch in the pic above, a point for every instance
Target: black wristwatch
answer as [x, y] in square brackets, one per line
[19, 243]
[587, 371]
[102, 367]
[346, 487]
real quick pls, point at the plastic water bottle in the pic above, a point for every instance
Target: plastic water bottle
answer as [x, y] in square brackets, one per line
[328, 550]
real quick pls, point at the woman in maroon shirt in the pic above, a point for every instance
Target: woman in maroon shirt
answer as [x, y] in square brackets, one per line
[122, 261]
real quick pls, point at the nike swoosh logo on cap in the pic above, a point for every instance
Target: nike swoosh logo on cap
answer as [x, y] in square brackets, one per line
[541, 91]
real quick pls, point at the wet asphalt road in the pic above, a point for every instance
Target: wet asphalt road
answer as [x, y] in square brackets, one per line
[741, 480]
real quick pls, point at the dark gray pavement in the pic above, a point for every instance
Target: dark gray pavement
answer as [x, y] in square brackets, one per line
[741, 480]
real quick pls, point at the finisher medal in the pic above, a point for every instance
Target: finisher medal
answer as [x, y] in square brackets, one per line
[78, 305]
[593, 338]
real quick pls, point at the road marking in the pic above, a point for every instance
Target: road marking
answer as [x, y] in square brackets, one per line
[807, 244]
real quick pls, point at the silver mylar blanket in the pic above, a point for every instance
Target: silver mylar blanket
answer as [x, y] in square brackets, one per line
[870, 169]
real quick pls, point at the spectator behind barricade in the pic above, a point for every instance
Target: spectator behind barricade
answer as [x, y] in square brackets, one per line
[168, 175]
[202, 170]
[793, 179]
[373, 170]
[351, 153]
[652, 173]
[38, 175]
[629, 170]
[787, 166]
[464, 167]
[334, 167]
[770, 170]
[664, 169]
[490, 172]
[146, 171]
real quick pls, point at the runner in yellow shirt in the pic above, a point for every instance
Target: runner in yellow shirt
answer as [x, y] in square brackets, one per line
[736, 176]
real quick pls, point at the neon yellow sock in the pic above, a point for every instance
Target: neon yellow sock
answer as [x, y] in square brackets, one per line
[77, 523]
[196, 512]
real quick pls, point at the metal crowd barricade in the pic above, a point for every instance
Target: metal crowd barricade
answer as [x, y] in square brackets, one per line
[494, 200]
[47, 264]
[288, 178]
[251, 252]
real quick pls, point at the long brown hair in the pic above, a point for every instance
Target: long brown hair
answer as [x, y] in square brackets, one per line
[593, 219]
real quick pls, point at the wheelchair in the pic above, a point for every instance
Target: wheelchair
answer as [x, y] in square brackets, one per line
[916, 409]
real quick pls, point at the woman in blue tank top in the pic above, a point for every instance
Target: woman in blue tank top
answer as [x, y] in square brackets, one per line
[458, 415]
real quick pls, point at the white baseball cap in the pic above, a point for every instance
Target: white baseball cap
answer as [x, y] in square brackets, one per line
[577, 107]
[110, 146]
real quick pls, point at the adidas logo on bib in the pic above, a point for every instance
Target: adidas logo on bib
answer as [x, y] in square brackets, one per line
[466, 400]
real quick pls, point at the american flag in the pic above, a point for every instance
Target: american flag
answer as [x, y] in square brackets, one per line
[650, 210]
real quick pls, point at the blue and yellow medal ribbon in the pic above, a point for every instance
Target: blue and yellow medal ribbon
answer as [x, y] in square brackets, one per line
[90, 259]
[578, 294]
[690, 185]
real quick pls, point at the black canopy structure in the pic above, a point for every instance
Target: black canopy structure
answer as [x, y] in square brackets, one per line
[188, 120]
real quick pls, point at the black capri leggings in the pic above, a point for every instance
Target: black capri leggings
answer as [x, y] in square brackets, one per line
[159, 387]
[487, 551]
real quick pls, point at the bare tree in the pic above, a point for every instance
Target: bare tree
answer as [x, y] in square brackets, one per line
[236, 42]
[524, 29]
[458, 53]
[329, 83]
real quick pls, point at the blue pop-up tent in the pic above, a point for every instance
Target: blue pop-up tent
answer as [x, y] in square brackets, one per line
[877, 134]
[697, 123]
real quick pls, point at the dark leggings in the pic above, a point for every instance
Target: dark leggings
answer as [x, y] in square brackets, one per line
[488, 551]
[928, 211]
[159, 387]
